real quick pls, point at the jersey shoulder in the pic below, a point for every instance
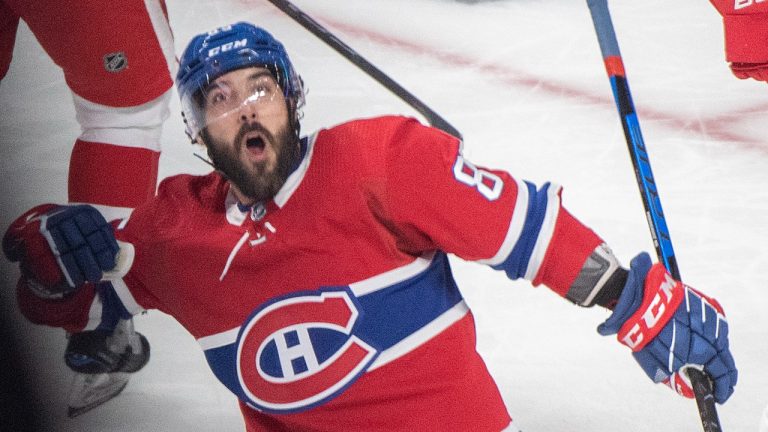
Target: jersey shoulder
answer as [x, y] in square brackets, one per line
[184, 204]
[187, 187]
[388, 142]
[390, 129]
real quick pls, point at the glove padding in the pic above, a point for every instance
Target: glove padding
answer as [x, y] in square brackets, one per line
[745, 24]
[670, 327]
[61, 247]
[757, 71]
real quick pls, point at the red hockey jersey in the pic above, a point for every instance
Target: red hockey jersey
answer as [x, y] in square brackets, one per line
[332, 307]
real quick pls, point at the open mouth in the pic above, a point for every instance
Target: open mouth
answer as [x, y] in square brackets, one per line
[255, 144]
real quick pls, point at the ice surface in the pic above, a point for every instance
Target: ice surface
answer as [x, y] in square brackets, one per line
[523, 81]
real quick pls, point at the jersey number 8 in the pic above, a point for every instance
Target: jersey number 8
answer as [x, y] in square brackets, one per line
[488, 184]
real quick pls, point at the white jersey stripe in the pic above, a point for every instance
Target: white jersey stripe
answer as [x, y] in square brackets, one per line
[294, 180]
[219, 339]
[366, 286]
[391, 277]
[546, 232]
[515, 226]
[422, 335]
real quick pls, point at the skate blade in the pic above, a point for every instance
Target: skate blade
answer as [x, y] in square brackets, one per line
[91, 390]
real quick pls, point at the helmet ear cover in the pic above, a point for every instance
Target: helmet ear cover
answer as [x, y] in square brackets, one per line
[225, 49]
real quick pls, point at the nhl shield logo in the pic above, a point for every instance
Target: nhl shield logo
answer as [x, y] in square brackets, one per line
[115, 62]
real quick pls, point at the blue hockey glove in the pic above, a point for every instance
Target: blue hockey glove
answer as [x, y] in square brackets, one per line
[61, 247]
[670, 327]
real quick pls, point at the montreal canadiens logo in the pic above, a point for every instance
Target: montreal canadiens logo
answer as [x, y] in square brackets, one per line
[300, 351]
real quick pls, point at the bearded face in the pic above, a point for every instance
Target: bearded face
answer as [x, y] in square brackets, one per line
[257, 178]
[248, 132]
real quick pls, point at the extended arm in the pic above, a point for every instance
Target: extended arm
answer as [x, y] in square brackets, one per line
[67, 255]
[490, 217]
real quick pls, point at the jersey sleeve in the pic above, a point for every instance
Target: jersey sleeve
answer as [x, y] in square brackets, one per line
[150, 228]
[437, 199]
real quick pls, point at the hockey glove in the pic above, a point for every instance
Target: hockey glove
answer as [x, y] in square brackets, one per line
[758, 71]
[60, 248]
[670, 327]
[746, 29]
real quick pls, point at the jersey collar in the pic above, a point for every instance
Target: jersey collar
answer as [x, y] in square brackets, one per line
[238, 213]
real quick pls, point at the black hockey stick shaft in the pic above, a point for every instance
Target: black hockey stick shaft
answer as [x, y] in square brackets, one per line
[355, 58]
[609, 46]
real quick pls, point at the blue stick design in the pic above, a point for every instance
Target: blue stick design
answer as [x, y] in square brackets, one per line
[609, 46]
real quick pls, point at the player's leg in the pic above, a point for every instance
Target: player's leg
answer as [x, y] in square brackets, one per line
[122, 114]
[118, 60]
[114, 162]
[9, 23]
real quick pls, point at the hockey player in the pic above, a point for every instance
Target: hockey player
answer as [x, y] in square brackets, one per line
[313, 271]
[118, 60]
[746, 36]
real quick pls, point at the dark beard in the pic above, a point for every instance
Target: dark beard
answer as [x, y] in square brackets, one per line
[255, 183]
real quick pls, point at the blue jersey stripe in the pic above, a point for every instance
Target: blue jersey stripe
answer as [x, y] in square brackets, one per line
[517, 263]
[387, 316]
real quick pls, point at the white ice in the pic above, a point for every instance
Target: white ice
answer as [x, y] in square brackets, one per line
[523, 81]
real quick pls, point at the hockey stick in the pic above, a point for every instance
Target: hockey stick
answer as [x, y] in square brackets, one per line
[350, 54]
[614, 65]
[88, 391]
[123, 262]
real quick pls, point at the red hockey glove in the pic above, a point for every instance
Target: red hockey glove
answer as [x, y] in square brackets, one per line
[758, 71]
[670, 327]
[746, 36]
[60, 248]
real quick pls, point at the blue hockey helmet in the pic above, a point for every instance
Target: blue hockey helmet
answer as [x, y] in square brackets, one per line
[217, 52]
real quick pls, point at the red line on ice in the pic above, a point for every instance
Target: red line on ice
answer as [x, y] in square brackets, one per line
[718, 128]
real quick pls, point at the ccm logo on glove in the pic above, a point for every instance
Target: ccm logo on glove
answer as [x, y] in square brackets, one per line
[659, 308]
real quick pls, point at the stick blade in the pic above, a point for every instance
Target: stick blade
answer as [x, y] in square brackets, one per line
[92, 390]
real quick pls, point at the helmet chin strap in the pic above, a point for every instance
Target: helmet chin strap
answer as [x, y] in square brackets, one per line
[207, 159]
[208, 162]
[294, 115]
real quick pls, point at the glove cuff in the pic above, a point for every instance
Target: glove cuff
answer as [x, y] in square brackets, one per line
[631, 296]
[746, 38]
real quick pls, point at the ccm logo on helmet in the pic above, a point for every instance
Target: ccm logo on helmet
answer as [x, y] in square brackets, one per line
[227, 47]
[300, 351]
